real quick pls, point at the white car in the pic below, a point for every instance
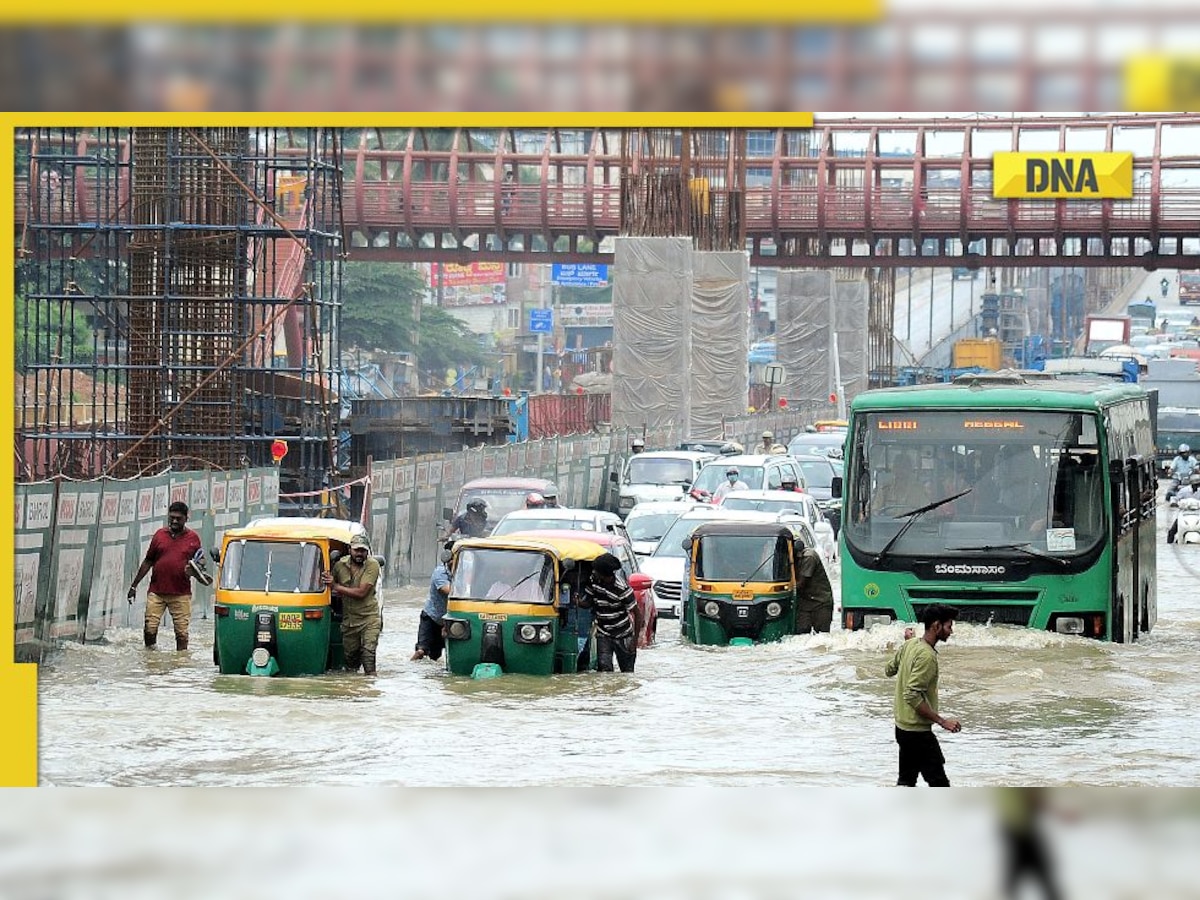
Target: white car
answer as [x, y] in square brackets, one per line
[666, 564]
[804, 505]
[648, 522]
[658, 475]
[556, 518]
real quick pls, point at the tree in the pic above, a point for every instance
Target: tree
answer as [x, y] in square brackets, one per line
[378, 302]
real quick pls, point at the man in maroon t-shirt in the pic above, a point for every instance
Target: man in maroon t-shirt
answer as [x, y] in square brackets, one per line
[170, 550]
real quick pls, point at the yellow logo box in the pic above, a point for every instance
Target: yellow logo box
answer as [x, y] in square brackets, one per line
[1082, 176]
[1157, 81]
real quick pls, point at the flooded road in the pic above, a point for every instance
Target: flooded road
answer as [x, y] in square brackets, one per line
[1036, 708]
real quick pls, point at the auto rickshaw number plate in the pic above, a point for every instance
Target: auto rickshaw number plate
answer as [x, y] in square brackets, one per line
[291, 621]
[743, 594]
[494, 617]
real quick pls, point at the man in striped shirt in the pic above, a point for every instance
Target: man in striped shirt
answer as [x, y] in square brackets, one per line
[616, 614]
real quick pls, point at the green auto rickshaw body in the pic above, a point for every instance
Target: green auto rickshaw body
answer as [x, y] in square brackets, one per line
[269, 595]
[740, 582]
[513, 603]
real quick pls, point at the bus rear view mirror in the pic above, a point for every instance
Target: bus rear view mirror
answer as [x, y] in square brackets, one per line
[835, 488]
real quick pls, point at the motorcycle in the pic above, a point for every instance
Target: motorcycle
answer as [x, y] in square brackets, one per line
[1186, 526]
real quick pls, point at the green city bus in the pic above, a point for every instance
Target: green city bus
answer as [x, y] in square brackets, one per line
[1021, 503]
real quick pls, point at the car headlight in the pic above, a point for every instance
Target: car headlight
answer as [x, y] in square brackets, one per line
[774, 610]
[711, 608]
[459, 629]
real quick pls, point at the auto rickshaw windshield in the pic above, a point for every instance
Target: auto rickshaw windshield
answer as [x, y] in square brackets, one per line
[272, 566]
[502, 574]
[742, 557]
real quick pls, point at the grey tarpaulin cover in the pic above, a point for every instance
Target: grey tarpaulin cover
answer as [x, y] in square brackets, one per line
[850, 320]
[720, 373]
[802, 333]
[652, 297]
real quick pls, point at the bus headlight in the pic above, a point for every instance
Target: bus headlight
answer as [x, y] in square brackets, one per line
[774, 610]
[869, 620]
[458, 629]
[1069, 625]
[711, 609]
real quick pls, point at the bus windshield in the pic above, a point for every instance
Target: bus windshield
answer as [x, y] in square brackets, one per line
[1034, 481]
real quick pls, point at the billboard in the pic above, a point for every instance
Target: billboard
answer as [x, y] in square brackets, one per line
[475, 284]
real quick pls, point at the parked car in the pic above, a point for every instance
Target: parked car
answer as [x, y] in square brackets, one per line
[620, 547]
[667, 564]
[502, 495]
[560, 519]
[809, 443]
[758, 471]
[657, 475]
[822, 476]
[804, 505]
[719, 447]
[648, 522]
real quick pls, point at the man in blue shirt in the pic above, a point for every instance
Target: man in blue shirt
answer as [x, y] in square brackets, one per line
[431, 639]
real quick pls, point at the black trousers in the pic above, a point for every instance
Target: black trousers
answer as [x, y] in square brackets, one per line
[624, 648]
[921, 754]
[1026, 856]
[429, 636]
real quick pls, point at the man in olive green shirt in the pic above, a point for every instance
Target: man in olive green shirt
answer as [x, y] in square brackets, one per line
[915, 707]
[354, 579]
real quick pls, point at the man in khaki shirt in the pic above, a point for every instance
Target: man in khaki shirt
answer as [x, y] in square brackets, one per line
[355, 578]
[915, 707]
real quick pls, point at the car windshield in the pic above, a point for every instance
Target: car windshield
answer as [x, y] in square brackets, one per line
[734, 501]
[1035, 478]
[505, 575]
[513, 524]
[817, 473]
[712, 475]
[500, 502]
[742, 557]
[285, 566]
[671, 545]
[659, 471]
[649, 526]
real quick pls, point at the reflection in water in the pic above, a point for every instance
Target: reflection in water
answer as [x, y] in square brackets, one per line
[1022, 835]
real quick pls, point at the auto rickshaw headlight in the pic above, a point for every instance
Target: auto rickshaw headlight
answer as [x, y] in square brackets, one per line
[711, 608]
[774, 610]
[458, 629]
[533, 633]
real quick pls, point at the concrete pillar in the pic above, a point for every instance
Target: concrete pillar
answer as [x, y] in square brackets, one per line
[720, 342]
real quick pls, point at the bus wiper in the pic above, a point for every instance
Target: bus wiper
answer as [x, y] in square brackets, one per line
[1024, 547]
[912, 515]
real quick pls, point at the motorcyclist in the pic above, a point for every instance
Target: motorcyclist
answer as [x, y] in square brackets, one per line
[1190, 491]
[472, 522]
[1181, 469]
[534, 500]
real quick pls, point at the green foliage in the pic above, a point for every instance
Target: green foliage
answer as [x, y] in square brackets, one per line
[45, 335]
[378, 302]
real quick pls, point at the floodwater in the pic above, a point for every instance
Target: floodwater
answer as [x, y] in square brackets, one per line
[1037, 709]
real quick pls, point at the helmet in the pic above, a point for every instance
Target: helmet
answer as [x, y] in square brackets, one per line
[550, 493]
[534, 500]
[732, 470]
[638, 442]
[1195, 479]
[768, 435]
[477, 504]
[1184, 448]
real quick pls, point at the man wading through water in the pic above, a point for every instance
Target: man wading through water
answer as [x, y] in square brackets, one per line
[170, 551]
[915, 666]
[354, 579]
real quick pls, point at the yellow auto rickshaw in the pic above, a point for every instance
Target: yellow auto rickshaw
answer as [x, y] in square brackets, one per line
[740, 584]
[513, 606]
[273, 616]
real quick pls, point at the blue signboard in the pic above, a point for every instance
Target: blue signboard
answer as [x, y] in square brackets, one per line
[579, 274]
[541, 321]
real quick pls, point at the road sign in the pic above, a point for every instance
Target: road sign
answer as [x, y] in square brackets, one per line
[541, 321]
[579, 274]
[773, 373]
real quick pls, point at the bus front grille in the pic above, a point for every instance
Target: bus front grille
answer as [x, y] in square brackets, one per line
[984, 613]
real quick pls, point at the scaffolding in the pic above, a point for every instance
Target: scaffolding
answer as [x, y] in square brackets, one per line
[178, 294]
